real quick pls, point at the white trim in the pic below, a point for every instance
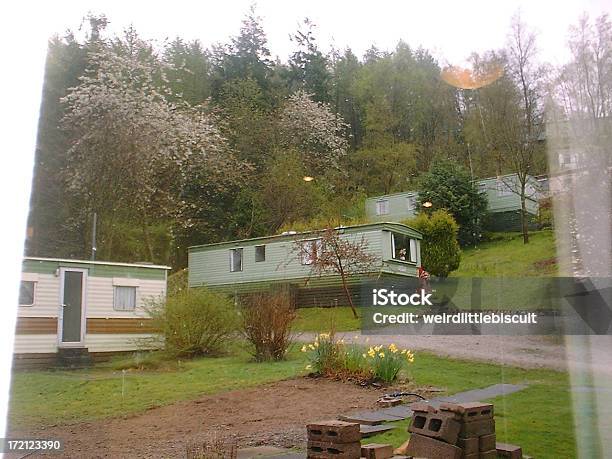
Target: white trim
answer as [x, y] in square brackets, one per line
[89, 262]
[31, 277]
[60, 321]
[126, 282]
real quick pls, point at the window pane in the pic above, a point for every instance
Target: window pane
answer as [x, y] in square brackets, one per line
[413, 250]
[125, 298]
[382, 207]
[260, 253]
[401, 247]
[26, 293]
[235, 260]
[309, 251]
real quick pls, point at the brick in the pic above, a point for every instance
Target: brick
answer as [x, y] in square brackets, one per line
[422, 407]
[440, 425]
[421, 446]
[492, 454]
[471, 411]
[486, 442]
[509, 451]
[377, 451]
[468, 445]
[334, 431]
[470, 456]
[330, 450]
[401, 450]
[477, 428]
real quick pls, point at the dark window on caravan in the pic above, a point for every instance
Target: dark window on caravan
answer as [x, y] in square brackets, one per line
[260, 253]
[26, 293]
[403, 248]
[235, 260]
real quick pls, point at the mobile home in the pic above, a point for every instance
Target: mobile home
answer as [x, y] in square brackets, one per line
[261, 263]
[503, 200]
[71, 311]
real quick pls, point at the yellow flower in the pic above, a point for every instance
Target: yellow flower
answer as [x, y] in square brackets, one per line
[393, 348]
[311, 347]
[308, 367]
[381, 355]
[324, 335]
[316, 344]
[371, 352]
[304, 348]
[364, 355]
[403, 351]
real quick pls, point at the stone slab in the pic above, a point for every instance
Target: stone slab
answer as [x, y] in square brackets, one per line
[368, 431]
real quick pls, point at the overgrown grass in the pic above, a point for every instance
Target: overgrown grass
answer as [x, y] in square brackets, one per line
[54, 397]
[506, 255]
[538, 418]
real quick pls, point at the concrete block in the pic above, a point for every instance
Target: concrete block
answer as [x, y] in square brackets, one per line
[422, 407]
[486, 442]
[509, 451]
[377, 451]
[488, 454]
[421, 446]
[469, 411]
[468, 445]
[441, 425]
[333, 431]
[477, 428]
[330, 450]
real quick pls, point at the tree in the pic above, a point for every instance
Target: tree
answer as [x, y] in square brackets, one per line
[440, 250]
[312, 129]
[449, 186]
[308, 66]
[331, 253]
[133, 153]
[385, 169]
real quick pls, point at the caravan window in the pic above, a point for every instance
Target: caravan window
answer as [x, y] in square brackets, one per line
[235, 260]
[382, 207]
[309, 251]
[503, 189]
[26, 293]
[403, 248]
[260, 253]
[125, 298]
[411, 203]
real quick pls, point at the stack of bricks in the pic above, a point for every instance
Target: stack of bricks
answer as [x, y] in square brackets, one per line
[333, 440]
[455, 431]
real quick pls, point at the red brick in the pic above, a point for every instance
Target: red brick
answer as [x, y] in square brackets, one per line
[441, 425]
[334, 431]
[421, 446]
[477, 428]
[377, 451]
[492, 454]
[468, 445]
[472, 411]
[330, 450]
[486, 442]
[389, 402]
[509, 451]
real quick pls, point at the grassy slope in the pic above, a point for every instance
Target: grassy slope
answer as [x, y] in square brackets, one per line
[508, 256]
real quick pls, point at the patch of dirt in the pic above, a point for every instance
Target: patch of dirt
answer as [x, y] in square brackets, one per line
[272, 414]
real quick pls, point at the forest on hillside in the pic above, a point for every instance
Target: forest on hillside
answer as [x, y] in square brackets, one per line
[189, 143]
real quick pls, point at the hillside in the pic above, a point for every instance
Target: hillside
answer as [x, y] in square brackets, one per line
[506, 255]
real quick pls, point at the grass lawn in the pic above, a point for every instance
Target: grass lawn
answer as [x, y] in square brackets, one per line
[55, 397]
[508, 256]
[538, 418]
[325, 319]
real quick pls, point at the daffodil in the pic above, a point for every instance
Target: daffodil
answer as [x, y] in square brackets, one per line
[381, 355]
[311, 347]
[304, 348]
[308, 367]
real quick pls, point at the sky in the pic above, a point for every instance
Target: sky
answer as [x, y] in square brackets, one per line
[451, 30]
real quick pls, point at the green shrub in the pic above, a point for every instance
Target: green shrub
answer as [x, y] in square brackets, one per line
[440, 252]
[195, 322]
[266, 323]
